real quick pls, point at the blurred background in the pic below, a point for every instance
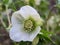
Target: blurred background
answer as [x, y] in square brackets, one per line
[49, 11]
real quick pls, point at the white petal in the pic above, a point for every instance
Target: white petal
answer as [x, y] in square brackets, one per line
[35, 33]
[16, 34]
[30, 36]
[16, 18]
[27, 11]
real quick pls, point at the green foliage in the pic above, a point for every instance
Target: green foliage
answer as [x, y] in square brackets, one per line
[31, 2]
[16, 5]
[46, 33]
[5, 1]
[43, 8]
[45, 38]
[48, 37]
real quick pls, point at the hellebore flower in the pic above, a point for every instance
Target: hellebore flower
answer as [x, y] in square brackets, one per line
[25, 24]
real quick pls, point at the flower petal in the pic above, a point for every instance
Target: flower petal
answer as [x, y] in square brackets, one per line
[16, 34]
[27, 11]
[31, 36]
[16, 18]
[35, 33]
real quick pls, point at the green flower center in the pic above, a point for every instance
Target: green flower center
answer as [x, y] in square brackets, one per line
[29, 25]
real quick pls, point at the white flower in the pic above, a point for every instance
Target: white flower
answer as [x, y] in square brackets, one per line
[25, 24]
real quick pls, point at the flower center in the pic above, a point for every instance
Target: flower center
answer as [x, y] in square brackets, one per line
[29, 25]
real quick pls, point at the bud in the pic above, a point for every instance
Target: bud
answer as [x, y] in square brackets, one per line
[27, 1]
[37, 2]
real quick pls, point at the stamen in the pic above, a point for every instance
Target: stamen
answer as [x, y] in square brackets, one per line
[28, 25]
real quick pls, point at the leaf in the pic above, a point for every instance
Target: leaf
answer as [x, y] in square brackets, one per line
[45, 38]
[46, 33]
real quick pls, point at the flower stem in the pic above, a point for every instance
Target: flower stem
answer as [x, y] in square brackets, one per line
[48, 17]
[8, 17]
[3, 23]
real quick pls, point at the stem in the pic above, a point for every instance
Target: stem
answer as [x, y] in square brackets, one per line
[48, 17]
[4, 25]
[8, 17]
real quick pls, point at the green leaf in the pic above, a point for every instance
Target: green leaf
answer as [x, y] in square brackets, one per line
[45, 38]
[46, 33]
